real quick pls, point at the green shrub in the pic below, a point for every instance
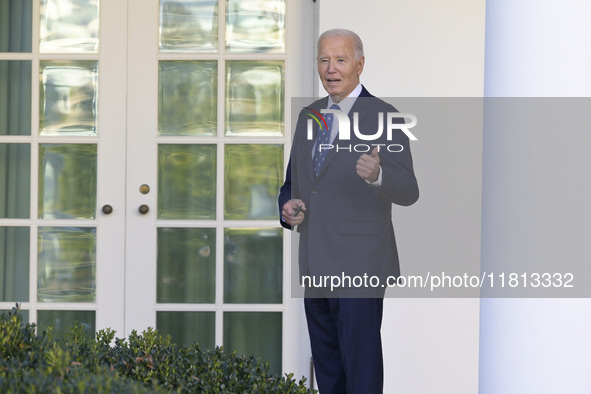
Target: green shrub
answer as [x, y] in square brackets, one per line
[143, 363]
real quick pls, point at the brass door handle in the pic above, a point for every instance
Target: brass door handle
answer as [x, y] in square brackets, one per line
[107, 209]
[143, 209]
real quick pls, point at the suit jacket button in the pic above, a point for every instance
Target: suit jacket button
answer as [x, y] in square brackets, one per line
[314, 191]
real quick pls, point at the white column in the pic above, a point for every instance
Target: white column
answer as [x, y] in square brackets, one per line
[536, 198]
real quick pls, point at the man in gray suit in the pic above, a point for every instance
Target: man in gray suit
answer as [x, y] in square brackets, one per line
[341, 200]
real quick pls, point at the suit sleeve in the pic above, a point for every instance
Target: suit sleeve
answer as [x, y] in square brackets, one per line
[399, 184]
[285, 194]
[290, 189]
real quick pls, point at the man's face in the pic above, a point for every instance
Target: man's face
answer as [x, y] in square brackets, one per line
[337, 67]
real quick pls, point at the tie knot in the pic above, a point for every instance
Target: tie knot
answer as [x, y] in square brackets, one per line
[328, 116]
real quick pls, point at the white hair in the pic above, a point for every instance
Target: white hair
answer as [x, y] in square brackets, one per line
[344, 33]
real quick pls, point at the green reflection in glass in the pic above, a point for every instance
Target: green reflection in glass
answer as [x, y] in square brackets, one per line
[15, 97]
[66, 270]
[69, 26]
[186, 265]
[255, 333]
[15, 181]
[68, 97]
[15, 26]
[188, 25]
[186, 181]
[24, 313]
[67, 181]
[255, 26]
[187, 328]
[63, 321]
[254, 98]
[253, 265]
[188, 98]
[14, 264]
[253, 177]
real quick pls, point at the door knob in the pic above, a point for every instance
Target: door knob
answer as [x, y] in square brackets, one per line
[144, 209]
[107, 209]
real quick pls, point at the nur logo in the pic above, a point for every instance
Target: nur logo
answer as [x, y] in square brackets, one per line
[318, 118]
[345, 129]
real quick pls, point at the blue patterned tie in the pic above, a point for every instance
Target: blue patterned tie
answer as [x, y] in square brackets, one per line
[323, 138]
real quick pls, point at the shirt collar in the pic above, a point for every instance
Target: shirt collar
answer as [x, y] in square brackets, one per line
[348, 101]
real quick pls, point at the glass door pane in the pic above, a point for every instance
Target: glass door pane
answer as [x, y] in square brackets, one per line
[15, 97]
[63, 321]
[254, 98]
[188, 97]
[186, 265]
[255, 333]
[16, 18]
[14, 264]
[69, 26]
[68, 97]
[66, 269]
[187, 328]
[252, 178]
[253, 266]
[186, 181]
[188, 25]
[255, 26]
[15, 181]
[67, 181]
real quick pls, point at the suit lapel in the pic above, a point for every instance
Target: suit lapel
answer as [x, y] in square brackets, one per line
[308, 148]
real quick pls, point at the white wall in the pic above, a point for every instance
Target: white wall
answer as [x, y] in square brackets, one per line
[428, 48]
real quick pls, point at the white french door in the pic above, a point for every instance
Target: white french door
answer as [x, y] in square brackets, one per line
[156, 147]
[62, 161]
